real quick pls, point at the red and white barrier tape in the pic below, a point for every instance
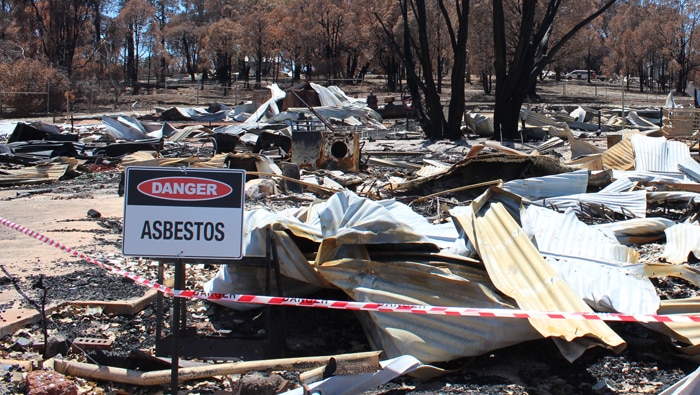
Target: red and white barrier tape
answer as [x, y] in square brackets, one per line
[348, 305]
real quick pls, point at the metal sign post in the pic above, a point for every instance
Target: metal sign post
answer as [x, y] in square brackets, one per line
[183, 213]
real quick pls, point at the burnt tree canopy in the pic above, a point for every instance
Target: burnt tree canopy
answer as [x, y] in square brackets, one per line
[414, 46]
[517, 69]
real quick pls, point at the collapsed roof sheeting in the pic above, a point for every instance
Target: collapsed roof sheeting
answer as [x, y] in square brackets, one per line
[257, 119]
[351, 116]
[681, 240]
[532, 118]
[642, 123]
[430, 281]
[123, 127]
[620, 185]
[476, 170]
[565, 235]
[327, 97]
[674, 197]
[37, 151]
[549, 186]
[658, 154]
[198, 114]
[620, 156]
[579, 252]
[350, 223]
[579, 148]
[690, 168]
[617, 288]
[624, 203]
[356, 236]
[34, 174]
[39, 131]
[649, 176]
[518, 269]
[276, 94]
[637, 230]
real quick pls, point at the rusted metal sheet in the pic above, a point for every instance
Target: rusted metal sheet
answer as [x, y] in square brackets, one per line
[620, 156]
[518, 269]
[428, 280]
[315, 150]
[637, 230]
[300, 98]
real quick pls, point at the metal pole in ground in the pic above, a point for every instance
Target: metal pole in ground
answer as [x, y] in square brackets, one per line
[175, 328]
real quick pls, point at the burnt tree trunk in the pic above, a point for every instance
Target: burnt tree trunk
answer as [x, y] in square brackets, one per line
[131, 70]
[517, 70]
[415, 50]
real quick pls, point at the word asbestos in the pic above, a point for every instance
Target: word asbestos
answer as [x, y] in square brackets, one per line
[364, 306]
[183, 230]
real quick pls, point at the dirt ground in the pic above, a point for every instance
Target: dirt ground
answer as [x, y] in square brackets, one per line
[182, 92]
[65, 211]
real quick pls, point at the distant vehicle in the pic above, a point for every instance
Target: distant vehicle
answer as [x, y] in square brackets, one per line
[548, 75]
[579, 74]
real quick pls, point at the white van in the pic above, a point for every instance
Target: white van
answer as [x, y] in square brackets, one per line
[579, 74]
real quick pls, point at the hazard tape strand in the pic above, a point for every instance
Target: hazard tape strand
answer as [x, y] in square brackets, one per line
[357, 306]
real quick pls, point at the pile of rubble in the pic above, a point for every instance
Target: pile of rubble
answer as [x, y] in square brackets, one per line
[505, 238]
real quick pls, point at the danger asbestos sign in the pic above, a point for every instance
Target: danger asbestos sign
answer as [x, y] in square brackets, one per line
[183, 212]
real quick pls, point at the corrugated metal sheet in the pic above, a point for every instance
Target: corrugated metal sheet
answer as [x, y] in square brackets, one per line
[620, 185]
[620, 156]
[431, 171]
[443, 235]
[553, 142]
[535, 119]
[565, 235]
[579, 252]
[589, 162]
[686, 272]
[574, 124]
[33, 174]
[393, 163]
[343, 226]
[684, 334]
[641, 123]
[549, 186]
[188, 131]
[578, 147]
[637, 230]
[687, 333]
[691, 168]
[517, 269]
[622, 289]
[626, 203]
[434, 282]
[681, 240]
[123, 127]
[649, 176]
[658, 154]
[676, 197]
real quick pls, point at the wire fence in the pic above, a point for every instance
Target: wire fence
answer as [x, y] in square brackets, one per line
[92, 97]
[4, 95]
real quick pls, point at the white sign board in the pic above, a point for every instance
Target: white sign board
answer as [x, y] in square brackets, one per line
[183, 212]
